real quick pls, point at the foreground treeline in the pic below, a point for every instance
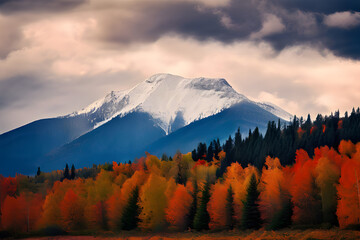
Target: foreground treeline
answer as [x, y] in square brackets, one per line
[283, 139]
[180, 194]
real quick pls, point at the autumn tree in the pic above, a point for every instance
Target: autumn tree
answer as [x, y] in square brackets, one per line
[153, 202]
[114, 208]
[348, 211]
[304, 191]
[274, 195]
[72, 211]
[22, 213]
[328, 174]
[217, 206]
[177, 212]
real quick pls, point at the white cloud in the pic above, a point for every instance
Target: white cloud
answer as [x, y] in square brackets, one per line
[343, 19]
[271, 25]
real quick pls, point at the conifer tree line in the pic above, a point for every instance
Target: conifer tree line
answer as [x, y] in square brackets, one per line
[181, 193]
[282, 139]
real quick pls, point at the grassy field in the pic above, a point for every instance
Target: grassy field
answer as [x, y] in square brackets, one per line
[310, 234]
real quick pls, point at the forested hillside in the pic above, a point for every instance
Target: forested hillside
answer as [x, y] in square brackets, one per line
[309, 177]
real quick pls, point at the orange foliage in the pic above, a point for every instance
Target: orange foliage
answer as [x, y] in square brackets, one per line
[122, 168]
[323, 128]
[239, 179]
[98, 215]
[347, 148]
[120, 196]
[328, 173]
[217, 206]
[114, 208]
[178, 208]
[274, 189]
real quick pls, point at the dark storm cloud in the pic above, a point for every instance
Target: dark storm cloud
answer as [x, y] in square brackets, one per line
[150, 20]
[13, 6]
[303, 23]
[319, 6]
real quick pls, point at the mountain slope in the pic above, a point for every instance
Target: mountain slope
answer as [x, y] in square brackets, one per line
[21, 147]
[120, 140]
[246, 115]
[126, 138]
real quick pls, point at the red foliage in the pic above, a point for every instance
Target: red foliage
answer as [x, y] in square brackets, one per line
[303, 191]
[178, 208]
[21, 213]
[8, 187]
[313, 129]
[348, 210]
[300, 132]
[200, 162]
[72, 211]
[340, 124]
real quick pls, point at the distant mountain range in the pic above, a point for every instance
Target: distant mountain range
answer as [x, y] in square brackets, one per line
[163, 114]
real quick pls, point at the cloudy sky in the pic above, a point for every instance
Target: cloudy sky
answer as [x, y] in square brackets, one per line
[59, 56]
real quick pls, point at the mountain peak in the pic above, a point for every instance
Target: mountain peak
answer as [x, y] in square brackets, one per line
[156, 78]
[169, 99]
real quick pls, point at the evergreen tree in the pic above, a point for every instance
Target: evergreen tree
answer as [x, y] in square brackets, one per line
[193, 207]
[66, 173]
[72, 173]
[202, 218]
[130, 216]
[164, 157]
[210, 152]
[230, 219]
[282, 219]
[38, 172]
[251, 214]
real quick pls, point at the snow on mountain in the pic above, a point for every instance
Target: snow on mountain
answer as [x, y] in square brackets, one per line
[276, 110]
[171, 100]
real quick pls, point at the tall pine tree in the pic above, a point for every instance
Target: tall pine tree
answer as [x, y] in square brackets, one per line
[194, 204]
[230, 213]
[251, 218]
[130, 216]
[72, 172]
[202, 217]
[66, 173]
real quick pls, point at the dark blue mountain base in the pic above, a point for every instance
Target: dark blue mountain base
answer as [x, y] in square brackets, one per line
[22, 147]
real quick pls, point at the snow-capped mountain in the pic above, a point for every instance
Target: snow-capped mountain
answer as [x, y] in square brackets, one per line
[173, 101]
[163, 114]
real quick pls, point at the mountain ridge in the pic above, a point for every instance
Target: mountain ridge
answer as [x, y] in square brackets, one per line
[165, 96]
